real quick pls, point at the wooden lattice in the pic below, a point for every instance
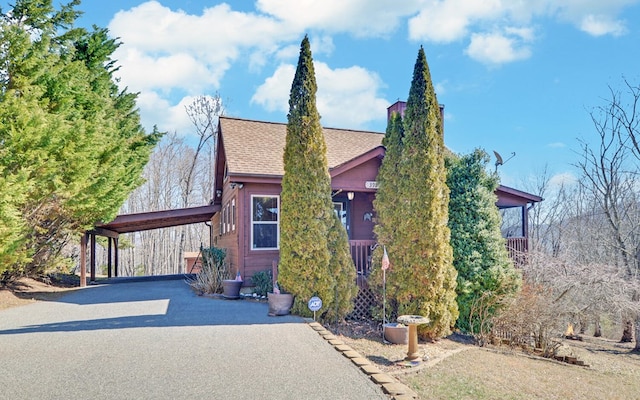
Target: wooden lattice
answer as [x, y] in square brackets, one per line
[363, 303]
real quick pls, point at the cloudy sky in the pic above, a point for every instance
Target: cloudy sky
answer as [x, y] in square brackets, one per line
[515, 76]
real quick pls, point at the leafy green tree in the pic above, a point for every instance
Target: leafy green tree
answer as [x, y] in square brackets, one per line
[422, 279]
[306, 250]
[479, 252]
[73, 142]
[342, 268]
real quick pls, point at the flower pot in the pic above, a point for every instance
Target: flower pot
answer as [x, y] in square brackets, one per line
[396, 333]
[231, 288]
[279, 303]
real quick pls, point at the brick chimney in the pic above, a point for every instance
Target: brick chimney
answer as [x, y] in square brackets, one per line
[400, 106]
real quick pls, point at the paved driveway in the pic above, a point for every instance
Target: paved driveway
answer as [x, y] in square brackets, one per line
[158, 340]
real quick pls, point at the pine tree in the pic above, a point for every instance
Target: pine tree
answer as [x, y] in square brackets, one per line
[73, 142]
[479, 252]
[422, 279]
[306, 252]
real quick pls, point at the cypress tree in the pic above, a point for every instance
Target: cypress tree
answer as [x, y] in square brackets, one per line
[479, 251]
[307, 245]
[422, 279]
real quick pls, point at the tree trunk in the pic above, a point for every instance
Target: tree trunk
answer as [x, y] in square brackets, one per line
[627, 334]
[598, 328]
[637, 333]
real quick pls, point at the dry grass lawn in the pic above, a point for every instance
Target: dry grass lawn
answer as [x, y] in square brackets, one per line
[454, 368]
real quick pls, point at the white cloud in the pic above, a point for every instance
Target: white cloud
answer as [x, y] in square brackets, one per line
[157, 110]
[346, 98]
[602, 25]
[557, 145]
[450, 20]
[362, 18]
[498, 48]
[155, 36]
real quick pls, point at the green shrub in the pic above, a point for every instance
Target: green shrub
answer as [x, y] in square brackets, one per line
[214, 270]
[263, 282]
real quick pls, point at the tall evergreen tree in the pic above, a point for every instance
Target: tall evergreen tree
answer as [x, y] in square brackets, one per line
[73, 142]
[479, 252]
[422, 279]
[307, 211]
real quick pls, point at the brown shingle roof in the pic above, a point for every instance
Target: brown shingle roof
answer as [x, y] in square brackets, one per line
[256, 147]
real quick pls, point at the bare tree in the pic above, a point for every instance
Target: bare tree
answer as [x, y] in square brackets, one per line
[179, 174]
[609, 179]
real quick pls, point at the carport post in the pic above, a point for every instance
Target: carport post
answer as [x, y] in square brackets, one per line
[115, 243]
[93, 257]
[109, 249]
[83, 260]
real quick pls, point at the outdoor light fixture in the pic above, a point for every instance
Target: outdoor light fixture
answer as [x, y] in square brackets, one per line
[350, 195]
[236, 185]
[218, 193]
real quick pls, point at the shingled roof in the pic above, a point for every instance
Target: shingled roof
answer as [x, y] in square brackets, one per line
[257, 147]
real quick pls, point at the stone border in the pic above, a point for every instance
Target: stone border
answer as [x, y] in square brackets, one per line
[390, 385]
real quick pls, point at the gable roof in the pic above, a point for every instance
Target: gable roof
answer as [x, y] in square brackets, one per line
[256, 148]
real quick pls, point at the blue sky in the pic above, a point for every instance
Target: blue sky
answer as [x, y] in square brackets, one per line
[515, 76]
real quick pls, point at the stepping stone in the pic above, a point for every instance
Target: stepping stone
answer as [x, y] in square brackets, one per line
[336, 342]
[351, 354]
[360, 361]
[395, 389]
[343, 347]
[382, 379]
[370, 369]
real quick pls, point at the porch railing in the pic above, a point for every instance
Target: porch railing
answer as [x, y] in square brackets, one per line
[517, 248]
[361, 253]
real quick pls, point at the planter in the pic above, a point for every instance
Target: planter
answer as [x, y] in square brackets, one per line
[279, 303]
[231, 288]
[396, 333]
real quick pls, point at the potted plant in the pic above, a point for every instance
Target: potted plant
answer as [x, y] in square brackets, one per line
[231, 287]
[279, 301]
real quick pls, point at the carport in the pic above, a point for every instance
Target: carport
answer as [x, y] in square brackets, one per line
[127, 223]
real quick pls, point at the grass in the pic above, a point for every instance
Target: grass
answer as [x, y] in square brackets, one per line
[457, 369]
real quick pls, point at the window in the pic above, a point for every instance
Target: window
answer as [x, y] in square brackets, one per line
[340, 210]
[233, 214]
[265, 229]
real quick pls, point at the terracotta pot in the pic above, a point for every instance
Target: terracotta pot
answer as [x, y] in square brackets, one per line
[396, 333]
[231, 288]
[279, 304]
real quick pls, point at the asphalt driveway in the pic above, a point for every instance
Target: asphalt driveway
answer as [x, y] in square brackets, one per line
[158, 340]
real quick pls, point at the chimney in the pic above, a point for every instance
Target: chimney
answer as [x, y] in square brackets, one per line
[401, 106]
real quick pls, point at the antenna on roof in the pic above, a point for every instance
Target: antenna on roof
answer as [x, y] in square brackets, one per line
[500, 161]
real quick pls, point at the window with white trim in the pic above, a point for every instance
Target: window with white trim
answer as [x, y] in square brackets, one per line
[265, 222]
[233, 214]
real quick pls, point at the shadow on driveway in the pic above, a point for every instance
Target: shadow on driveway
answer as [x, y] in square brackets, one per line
[135, 304]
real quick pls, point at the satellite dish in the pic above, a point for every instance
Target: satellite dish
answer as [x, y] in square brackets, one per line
[499, 159]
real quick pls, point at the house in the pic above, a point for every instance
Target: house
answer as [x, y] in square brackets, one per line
[248, 174]
[244, 210]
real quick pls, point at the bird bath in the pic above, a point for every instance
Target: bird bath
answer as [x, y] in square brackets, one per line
[412, 321]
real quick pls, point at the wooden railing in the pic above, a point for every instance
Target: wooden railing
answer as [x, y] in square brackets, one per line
[361, 253]
[517, 248]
